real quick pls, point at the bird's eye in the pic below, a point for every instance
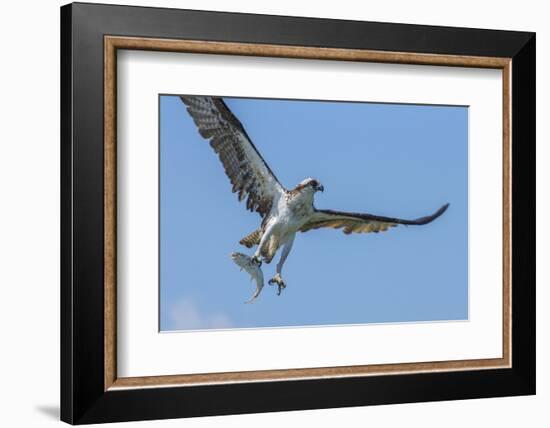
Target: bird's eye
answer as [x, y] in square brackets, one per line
[314, 183]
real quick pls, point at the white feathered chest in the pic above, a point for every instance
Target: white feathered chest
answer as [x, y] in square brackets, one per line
[298, 206]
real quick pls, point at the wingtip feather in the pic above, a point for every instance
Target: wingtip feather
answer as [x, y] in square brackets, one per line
[437, 214]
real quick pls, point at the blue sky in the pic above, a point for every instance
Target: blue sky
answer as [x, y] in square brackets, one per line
[386, 159]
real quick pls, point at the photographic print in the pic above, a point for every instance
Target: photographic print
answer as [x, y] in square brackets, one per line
[311, 212]
[230, 208]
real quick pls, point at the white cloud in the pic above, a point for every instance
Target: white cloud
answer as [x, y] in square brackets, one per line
[185, 314]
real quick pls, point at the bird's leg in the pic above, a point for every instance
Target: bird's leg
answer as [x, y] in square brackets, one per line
[257, 258]
[278, 279]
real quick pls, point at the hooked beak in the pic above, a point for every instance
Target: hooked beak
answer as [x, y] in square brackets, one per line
[320, 188]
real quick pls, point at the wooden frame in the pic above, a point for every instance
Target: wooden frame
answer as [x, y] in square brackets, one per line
[112, 43]
[513, 53]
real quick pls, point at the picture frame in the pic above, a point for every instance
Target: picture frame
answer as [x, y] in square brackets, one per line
[91, 390]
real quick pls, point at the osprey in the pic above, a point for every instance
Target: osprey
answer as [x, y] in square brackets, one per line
[284, 212]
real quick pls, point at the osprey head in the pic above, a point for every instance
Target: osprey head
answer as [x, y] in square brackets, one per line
[312, 183]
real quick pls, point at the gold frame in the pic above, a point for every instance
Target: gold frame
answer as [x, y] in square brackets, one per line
[112, 43]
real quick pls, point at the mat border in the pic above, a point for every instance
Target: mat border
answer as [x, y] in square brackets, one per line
[90, 391]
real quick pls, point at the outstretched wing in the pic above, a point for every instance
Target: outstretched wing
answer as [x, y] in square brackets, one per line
[362, 223]
[250, 175]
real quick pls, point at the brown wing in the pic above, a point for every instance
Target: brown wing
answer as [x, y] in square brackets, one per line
[248, 172]
[362, 223]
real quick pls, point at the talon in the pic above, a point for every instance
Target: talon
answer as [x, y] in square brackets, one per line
[257, 260]
[277, 279]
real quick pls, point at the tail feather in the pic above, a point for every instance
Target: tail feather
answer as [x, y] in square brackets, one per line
[252, 239]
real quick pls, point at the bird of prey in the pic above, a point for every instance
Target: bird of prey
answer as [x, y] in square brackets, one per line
[284, 212]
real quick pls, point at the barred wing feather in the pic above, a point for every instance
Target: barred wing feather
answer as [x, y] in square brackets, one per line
[248, 172]
[362, 223]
